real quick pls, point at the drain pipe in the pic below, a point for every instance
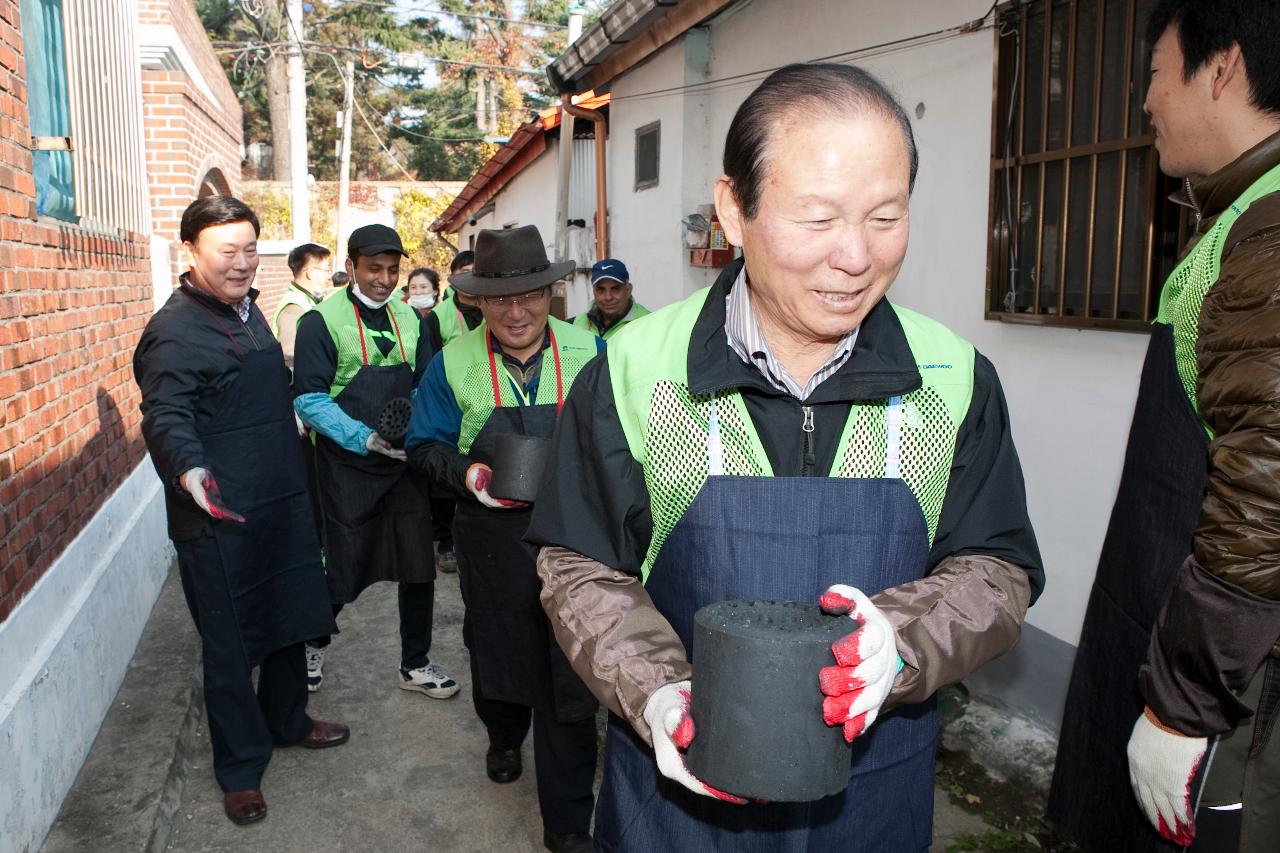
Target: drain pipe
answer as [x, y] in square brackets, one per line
[602, 197]
[565, 152]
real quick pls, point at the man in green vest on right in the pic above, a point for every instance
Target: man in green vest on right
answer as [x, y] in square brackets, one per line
[788, 433]
[1168, 738]
[613, 306]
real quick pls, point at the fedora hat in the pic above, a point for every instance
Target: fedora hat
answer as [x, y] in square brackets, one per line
[509, 261]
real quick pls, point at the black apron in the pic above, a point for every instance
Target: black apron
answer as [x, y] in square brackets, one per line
[271, 563]
[504, 627]
[1148, 538]
[788, 538]
[377, 511]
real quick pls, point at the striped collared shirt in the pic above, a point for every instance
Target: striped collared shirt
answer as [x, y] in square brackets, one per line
[745, 338]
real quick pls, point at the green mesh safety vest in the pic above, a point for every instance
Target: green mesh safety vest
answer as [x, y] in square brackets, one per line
[1186, 287]
[471, 376]
[293, 295]
[667, 427]
[582, 321]
[451, 323]
[339, 314]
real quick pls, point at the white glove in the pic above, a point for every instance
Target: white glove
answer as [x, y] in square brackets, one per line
[302, 428]
[867, 661]
[204, 490]
[671, 728]
[479, 475]
[377, 444]
[1162, 765]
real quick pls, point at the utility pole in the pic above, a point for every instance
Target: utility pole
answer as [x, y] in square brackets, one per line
[299, 191]
[344, 165]
[566, 150]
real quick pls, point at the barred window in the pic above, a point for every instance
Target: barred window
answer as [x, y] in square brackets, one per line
[1082, 232]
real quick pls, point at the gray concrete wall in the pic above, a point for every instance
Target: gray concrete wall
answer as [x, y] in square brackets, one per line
[65, 649]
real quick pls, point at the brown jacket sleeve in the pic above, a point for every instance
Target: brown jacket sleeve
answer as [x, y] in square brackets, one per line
[967, 612]
[1238, 352]
[621, 647]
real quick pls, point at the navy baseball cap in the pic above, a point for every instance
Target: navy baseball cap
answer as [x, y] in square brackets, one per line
[610, 268]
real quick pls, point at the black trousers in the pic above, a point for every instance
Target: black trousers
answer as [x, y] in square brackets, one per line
[244, 724]
[442, 522]
[417, 605]
[564, 753]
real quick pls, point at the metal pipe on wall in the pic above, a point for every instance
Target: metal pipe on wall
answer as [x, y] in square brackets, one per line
[566, 154]
[602, 196]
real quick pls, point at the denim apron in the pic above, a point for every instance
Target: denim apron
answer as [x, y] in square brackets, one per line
[786, 538]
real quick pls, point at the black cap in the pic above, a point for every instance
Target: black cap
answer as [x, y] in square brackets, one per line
[374, 240]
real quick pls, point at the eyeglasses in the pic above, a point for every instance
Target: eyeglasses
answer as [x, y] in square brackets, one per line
[524, 300]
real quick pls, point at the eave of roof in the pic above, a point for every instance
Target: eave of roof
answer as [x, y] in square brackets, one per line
[524, 146]
[629, 32]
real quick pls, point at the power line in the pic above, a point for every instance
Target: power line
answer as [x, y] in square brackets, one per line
[230, 47]
[384, 5]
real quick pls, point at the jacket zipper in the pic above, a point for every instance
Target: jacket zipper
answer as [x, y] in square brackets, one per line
[810, 460]
[1191, 197]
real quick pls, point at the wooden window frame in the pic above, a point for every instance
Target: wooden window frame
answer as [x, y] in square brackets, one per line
[1138, 207]
[654, 128]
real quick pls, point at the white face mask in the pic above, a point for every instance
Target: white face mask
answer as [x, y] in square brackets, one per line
[422, 300]
[366, 301]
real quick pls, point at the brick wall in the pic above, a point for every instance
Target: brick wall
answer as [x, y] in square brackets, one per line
[273, 277]
[72, 305]
[187, 134]
[182, 16]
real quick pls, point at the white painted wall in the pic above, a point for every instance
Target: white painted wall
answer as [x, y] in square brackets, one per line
[65, 648]
[1070, 392]
[644, 225]
[528, 199]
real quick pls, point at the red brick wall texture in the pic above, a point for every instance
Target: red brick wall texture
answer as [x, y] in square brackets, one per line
[72, 305]
[188, 136]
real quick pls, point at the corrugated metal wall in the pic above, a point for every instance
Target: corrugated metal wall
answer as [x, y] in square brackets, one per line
[582, 181]
[104, 83]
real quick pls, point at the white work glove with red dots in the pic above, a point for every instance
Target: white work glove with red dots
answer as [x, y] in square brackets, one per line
[204, 490]
[1162, 765]
[867, 662]
[479, 475]
[377, 444]
[671, 728]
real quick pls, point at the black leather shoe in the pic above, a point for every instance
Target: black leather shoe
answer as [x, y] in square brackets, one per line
[567, 842]
[503, 765]
[324, 735]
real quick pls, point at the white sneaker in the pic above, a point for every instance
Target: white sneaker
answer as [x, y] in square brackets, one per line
[315, 667]
[429, 679]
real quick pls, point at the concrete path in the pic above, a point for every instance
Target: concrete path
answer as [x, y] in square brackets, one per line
[411, 778]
